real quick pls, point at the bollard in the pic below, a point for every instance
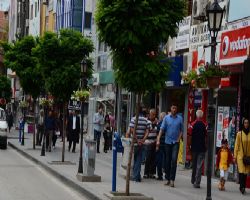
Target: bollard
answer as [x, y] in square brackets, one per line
[117, 148]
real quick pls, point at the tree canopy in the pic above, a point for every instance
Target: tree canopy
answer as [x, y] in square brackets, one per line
[134, 29]
[5, 88]
[19, 57]
[59, 58]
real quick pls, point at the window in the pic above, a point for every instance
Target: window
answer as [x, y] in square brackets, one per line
[36, 9]
[87, 20]
[31, 12]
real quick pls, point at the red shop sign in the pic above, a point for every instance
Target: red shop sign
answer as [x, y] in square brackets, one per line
[234, 45]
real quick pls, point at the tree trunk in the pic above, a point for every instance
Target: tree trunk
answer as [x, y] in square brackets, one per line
[34, 125]
[132, 145]
[65, 105]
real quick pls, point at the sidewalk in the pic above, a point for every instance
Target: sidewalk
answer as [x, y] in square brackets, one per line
[152, 188]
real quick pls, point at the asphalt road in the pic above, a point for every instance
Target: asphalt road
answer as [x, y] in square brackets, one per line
[20, 179]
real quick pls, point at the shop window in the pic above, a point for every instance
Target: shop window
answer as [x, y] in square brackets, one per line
[31, 12]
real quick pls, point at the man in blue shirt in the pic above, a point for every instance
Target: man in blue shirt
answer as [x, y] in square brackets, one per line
[173, 126]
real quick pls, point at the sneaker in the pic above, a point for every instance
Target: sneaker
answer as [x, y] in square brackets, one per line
[146, 176]
[197, 186]
[53, 147]
[171, 184]
[167, 183]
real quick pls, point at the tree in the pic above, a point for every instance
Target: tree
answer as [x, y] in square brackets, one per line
[5, 88]
[60, 57]
[134, 29]
[19, 57]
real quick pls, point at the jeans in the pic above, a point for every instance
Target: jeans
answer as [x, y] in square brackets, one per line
[49, 139]
[138, 152]
[97, 137]
[171, 160]
[197, 160]
[160, 161]
[150, 160]
[39, 135]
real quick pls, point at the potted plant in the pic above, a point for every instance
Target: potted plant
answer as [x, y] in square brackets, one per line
[193, 78]
[80, 95]
[213, 75]
[23, 104]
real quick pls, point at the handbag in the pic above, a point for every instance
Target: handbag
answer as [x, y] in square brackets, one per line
[246, 159]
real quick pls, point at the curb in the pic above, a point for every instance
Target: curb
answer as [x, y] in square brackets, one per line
[86, 193]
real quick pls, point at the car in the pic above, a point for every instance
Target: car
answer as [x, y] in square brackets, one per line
[3, 129]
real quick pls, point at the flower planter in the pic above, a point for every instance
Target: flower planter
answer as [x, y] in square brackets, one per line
[213, 82]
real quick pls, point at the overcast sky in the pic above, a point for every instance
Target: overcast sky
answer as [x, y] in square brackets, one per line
[4, 4]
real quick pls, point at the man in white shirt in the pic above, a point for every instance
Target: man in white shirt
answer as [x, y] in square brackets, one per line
[98, 127]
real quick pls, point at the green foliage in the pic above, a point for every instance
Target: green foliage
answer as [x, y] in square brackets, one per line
[215, 70]
[134, 29]
[59, 57]
[5, 88]
[19, 58]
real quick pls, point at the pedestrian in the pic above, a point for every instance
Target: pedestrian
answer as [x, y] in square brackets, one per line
[242, 150]
[160, 153]
[9, 120]
[49, 128]
[106, 136]
[73, 131]
[198, 146]
[150, 146]
[223, 160]
[98, 127]
[139, 136]
[172, 125]
[40, 128]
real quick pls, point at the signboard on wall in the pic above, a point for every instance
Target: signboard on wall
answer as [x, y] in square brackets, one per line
[182, 40]
[226, 125]
[199, 35]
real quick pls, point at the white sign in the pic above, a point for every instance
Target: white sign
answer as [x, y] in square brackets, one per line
[238, 24]
[199, 36]
[182, 40]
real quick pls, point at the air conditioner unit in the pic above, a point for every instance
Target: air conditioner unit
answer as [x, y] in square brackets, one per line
[45, 2]
[199, 9]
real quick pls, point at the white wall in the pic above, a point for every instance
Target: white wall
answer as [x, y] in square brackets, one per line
[34, 22]
[12, 20]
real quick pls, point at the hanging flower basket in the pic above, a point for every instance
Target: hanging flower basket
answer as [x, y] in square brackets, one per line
[23, 104]
[80, 95]
[46, 102]
[213, 81]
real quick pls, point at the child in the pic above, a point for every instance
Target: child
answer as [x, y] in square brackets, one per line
[224, 158]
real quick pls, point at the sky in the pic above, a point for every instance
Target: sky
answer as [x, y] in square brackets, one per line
[238, 9]
[4, 4]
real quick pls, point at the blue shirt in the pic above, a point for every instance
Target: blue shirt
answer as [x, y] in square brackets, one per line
[172, 126]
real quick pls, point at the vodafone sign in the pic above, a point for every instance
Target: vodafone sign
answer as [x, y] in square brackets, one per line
[234, 45]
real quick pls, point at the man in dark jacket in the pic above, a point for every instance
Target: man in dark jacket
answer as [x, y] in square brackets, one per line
[73, 130]
[198, 144]
[50, 128]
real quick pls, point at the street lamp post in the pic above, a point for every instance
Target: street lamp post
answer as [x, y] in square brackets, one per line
[214, 15]
[83, 85]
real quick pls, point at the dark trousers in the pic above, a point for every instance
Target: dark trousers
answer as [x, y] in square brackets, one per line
[49, 134]
[242, 180]
[39, 135]
[171, 160]
[97, 137]
[160, 161]
[106, 142]
[149, 169]
[110, 135]
[54, 138]
[197, 160]
[74, 145]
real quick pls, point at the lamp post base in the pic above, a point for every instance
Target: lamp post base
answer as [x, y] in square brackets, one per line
[86, 178]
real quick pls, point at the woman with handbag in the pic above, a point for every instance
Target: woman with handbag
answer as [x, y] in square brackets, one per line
[242, 154]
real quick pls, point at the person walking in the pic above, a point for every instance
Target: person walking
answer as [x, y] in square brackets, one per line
[139, 136]
[49, 128]
[150, 144]
[98, 127]
[160, 153]
[40, 128]
[223, 160]
[198, 146]
[242, 153]
[9, 118]
[172, 125]
[106, 135]
[73, 131]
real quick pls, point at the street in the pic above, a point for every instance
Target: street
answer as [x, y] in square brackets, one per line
[20, 179]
